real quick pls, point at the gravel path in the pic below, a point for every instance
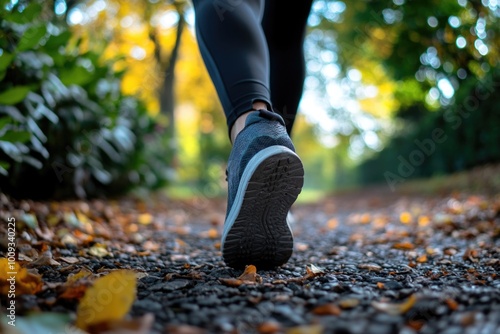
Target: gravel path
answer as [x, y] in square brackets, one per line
[367, 262]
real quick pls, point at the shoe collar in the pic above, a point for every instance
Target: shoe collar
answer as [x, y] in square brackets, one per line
[256, 116]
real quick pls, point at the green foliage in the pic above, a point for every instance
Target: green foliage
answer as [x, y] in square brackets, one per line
[443, 56]
[452, 139]
[65, 127]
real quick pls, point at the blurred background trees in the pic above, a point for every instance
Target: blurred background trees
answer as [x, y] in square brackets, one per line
[98, 97]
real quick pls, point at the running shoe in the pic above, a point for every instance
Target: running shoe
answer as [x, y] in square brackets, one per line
[264, 176]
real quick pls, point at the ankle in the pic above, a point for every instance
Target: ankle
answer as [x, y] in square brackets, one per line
[239, 124]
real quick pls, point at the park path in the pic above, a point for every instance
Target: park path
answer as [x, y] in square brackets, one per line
[366, 261]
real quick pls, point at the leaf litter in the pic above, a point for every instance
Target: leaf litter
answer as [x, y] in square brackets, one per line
[402, 257]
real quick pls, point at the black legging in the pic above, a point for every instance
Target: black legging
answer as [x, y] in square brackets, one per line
[253, 50]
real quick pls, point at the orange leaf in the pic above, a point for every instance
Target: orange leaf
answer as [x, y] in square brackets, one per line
[269, 327]
[422, 259]
[77, 284]
[327, 309]
[74, 291]
[332, 223]
[423, 221]
[452, 304]
[249, 276]
[404, 245]
[232, 282]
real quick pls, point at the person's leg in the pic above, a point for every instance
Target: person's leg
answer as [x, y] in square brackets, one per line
[285, 32]
[234, 49]
[264, 173]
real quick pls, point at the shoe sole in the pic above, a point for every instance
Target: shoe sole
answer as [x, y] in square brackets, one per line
[256, 229]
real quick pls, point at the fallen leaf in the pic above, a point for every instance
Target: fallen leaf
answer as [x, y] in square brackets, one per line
[370, 266]
[141, 274]
[74, 291]
[311, 272]
[305, 329]
[72, 278]
[468, 318]
[452, 304]
[45, 259]
[211, 234]
[76, 284]
[314, 271]
[404, 245]
[396, 308]
[471, 255]
[349, 303]
[301, 247]
[365, 218]
[22, 257]
[416, 324]
[69, 239]
[422, 258]
[98, 250]
[151, 246]
[69, 259]
[332, 223]
[423, 221]
[405, 218]
[327, 309]
[249, 276]
[269, 327]
[450, 251]
[109, 299]
[145, 219]
[25, 282]
[380, 285]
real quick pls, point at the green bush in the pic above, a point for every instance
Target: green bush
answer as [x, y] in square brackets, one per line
[66, 129]
[470, 137]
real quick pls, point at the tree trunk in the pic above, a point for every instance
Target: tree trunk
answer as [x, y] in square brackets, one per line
[167, 90]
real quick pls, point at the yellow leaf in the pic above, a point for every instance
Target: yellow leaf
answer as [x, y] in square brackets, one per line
[109, 299]
[145, 219]
[98, 250]
[405, 218]
[305, 329]
[25, 282]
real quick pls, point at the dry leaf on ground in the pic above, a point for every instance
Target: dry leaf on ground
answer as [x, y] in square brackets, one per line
[25, 282]
[108, 300]
[249, 276]
[396, 308]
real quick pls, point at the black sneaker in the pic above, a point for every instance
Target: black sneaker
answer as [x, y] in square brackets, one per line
[265, 176]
